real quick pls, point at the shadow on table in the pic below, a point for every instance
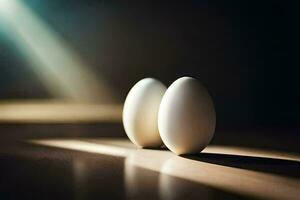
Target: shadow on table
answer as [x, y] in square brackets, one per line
[269, 165]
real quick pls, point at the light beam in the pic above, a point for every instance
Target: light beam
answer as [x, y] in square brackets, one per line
[59, 67]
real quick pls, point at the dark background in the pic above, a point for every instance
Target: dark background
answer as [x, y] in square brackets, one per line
[244, 52]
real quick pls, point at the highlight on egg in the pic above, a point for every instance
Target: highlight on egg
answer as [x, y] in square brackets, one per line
[140, 113]
[187, 117]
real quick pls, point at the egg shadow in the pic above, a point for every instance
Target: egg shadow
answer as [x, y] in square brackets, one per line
[162, 148]
[270, 165]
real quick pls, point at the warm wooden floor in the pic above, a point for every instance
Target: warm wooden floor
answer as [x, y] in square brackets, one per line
[106, 168]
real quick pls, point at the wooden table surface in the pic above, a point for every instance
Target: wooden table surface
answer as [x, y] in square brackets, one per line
[113, 168]
[59, 150]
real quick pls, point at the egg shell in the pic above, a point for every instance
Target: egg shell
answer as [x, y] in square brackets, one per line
[187, 117]
[140, 112]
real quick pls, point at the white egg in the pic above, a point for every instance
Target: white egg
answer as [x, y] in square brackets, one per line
[186, 118]
[140, 112]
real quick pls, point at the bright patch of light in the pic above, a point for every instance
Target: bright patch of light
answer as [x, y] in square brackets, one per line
[7, 10]
[85, 146]
[58, 112]
[6, 5]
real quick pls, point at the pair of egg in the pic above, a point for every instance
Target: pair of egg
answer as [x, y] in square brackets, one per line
[182, 116]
